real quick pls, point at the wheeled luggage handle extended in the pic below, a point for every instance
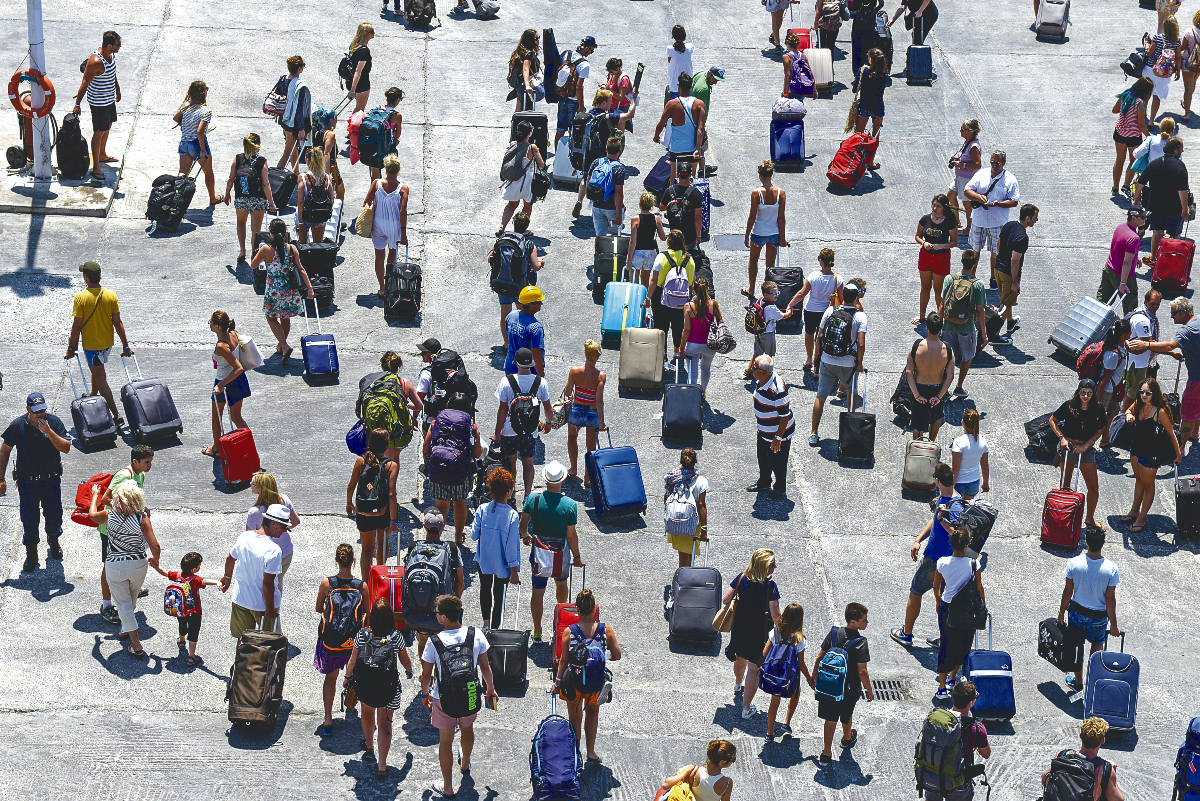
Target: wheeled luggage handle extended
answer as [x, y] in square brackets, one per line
[1112, 302]
[137, 366]
[316, 312]
[855, 387]
[694, 541]
[88, 392]
[504, 604]
[679, 363]
[1178, 367]
[1074, 473]
[990, 648]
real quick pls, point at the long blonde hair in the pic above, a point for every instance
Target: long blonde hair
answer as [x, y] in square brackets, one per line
[759, 569]
[316, 162]
[268, 489]
[365, 29]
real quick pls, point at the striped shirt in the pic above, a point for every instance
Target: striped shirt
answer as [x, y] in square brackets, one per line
[102, 91]
[771, 403]
[1127, 123]
[189, 121]
[125, 540]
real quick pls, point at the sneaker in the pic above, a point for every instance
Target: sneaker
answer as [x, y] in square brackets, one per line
[1070, 681]
[943, 694]
[824, 759]
[853, 739]
[749, 713]
[537, 639]
[899, 636]
[145, 593]
[738, 689]
[814, 440]
[575, 211]
[1013, 324]
[1003, 339]
[758, 488]
[783, 729]
[959, 392]
[934, 641]
[993, 284]
[109, 615]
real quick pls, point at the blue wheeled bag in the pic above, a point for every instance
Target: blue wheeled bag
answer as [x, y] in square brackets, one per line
[622, 309]
[920, 63]
[552, 59]
[554, 759]
[1187, 766]
[1112, 688]
[659, 176]
[787, 141]
[319, 352]
[616, 478]
[991, 671]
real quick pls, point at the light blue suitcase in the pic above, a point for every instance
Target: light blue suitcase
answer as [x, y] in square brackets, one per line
[622, 309]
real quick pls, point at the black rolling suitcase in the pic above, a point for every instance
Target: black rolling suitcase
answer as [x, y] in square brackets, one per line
[1187, 505]
[149, 408]
[283, 183]
[695, 600]
[608, 262]
[683, 407]
[170, 198]
[541, 129]
[94, 424]
[256, 678]
[508, 649]
[856, 430]
[790, 280]
[1060, 646]
[318, 258]
[402, 289]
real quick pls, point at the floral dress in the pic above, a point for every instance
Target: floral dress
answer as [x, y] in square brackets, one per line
[280, 300]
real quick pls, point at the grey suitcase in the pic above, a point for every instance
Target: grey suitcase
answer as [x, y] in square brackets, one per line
[1088, 322]
[149, 408]
[1052, 18]
[695, 600]
[683, 404]
[94, 423]
[642, 354]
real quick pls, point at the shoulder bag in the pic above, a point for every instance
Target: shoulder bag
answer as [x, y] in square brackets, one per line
[365, 221]
[249, 355]
[723, 622]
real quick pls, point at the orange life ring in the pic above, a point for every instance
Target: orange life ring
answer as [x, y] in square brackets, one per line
[14, 93]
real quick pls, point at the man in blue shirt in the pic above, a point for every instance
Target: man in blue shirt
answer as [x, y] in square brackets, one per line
[525, 331]
[937, 547]
[40, 439]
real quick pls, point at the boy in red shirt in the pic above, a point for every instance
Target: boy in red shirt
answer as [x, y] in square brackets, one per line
[190, 612]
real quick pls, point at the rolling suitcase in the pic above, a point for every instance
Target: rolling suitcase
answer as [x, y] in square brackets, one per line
[790, 280]
[695, 600]
[787, 131]
[565, 616]
[563, 172]
[919, 69]
[1060, 646]
[705, 203]
[616, 478]
[508, 650]
[402, 289]
[622, 309]
[1088, 322]
[541, 128]
[641, 363]
[856, 430]
[149, 408]
[820, 61]
[1187, 505]
[1173, 268]
[322, 293]
[991, 672]
[853, 158]
[170, 198]
[921, 456]
[283, 182]
[659, 177]
[1112, 688]
[611, 254]
[1062, 515]
[318, 258]
[239, 454]
[256, 678]
[94, 423]
[1052, 19]
[384, 581]
[804, 35]
[320, 353]
[555, 762]
[683, 406]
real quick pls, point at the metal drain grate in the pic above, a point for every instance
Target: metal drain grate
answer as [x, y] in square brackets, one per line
[892, 690]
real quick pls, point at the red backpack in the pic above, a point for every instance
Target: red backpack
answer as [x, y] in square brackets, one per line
[1091, 362]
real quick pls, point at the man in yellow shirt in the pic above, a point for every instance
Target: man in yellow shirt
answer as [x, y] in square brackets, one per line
[97, 314]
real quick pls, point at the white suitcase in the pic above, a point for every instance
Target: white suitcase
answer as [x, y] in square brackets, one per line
[920, 458]
[1053, 18]
[564, 174]
[820, 61]
[1088, 322]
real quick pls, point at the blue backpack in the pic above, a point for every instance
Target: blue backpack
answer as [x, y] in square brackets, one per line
[780, 671]
[1187, 766]
[600, 182]
[587, 659]
[376, 137]
[833, 670]
[554, 760]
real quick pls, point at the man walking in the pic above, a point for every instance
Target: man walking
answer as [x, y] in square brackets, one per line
[253, 566]
[1119, 275]
[1010, 264]
[517, 423]
[1167, 176]
[604, 124]
[569, 84]
[992, 192]
[930, 370]
[1091, 734]
[606, 183]
[964, 328]
[1089, 599]
[702, 87]
[686, 115]
[684, 206]
[525, 262]
[776, 426]
[103, 92]
[554, 517]
[1143, 326]
[1184, 346]
[97, 314]
[40, 439]
[841, 345]
[974, 741]
[525, 330]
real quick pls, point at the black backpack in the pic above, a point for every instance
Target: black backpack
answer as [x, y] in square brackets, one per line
[72, 149]
[677, 207]
[372, 496]
[419, 12]
[376, 674]
[247, 176]
[837, 337]
[343, 614]
[427, 575]
[524, 414]
[511, 265]
[449, 385]
[1073, 777]
[459, 690]
[318, 202]
[346, 71]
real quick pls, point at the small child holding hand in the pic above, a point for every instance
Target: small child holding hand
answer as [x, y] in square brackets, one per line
[190, 611]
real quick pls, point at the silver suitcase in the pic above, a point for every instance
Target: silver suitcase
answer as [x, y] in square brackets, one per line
[1088, 322]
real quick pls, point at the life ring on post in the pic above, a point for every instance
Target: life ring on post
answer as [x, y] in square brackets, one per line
[25, 109]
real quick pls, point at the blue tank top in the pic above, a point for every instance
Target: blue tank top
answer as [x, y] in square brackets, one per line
[683, 137]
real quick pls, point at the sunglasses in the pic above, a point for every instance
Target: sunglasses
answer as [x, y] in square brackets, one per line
[1085, 393]
[1145, 392]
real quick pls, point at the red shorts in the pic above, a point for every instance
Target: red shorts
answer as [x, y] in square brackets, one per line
[939, 262]
[1189, 407]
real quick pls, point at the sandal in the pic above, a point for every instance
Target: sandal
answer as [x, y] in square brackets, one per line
[138, 654]
[209, 451]
[915, 321]
[439, 788]
[381, 774]
[1137, 529]
[194, 660]
[99, 175]
[285, 356]
[1127, 519]
[182, 643]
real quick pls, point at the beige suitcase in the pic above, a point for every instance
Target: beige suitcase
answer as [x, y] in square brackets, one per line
[820, 61]
[642, 353]
[920, 458]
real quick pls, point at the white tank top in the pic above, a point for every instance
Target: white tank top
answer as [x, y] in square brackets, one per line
[823, 288]
[705, 790]
[766, 223]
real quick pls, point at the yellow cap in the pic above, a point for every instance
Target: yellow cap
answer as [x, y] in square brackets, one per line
[530, 294]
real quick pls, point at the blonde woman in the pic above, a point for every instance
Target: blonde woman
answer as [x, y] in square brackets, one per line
[645, 232]
[757, 596]
[194, 117]
[231, 385]
[1163, 47]
[248, 180]
[315, 204]
[268, 493]
[965, 164]
[585, 388]
[1189, 64]
[125, 561]
[391, 216]
[360, 56]
[970, 459]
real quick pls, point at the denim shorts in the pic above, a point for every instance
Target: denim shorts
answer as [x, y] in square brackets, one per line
[867, 112]
[192, 149]
[1095, 629]
[235, 392]
[765, 239]
[1144, 461]
[522, 445]
[505, 300]
[566, 113]
[923, 579]
[583, 415]
[643, 260]
[968, 489]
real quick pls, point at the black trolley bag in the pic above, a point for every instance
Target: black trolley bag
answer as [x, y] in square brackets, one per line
[856, 430]
[94, 423]
[695, 600]
[402, 289]
[256, 677]
[149, 408]
[683, 406]
[1187, 505]
[170, 198]
[1060, 645]
[508, 649]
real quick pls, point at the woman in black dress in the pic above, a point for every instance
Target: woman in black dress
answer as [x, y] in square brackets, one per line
[920, 15]
[1146, 449]
[1079, 423]
[756, 612]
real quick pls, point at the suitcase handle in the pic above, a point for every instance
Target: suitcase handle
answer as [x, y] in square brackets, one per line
[317, 313]
[1112, 302]
[854, 387]
[1074, 474]
[679, 362]
[706, 544]
[86, 391]
[504, 604]
[137, 366]
[990, 648]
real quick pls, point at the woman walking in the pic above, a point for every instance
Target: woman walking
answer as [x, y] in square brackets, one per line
[376, 679]
[1148, 415]
[870, 82]
[125, 562]
[1162, 64]
[698, 316]
[707, 783]
[193, 118]
[330, 661]
[231, 385]
[937, 234]
[585, 388]
[521, 191]
[1150, 149]
[248, 180]
[497, 529]
[1189, 65]
[686, 482]
[621, 86]
[360, 57]
[315, 204]
[1131, 127]
[1078, 424]
[268, 495]
[679, 60]
[668, 317]
[797, 75]
[296, 112]
[371, 499]
[970, 458]
[965, 164]
[446, 494]
[953, 574]
[821, 288]
[391, 363]
[390, 227]
[327, 140]
[766, 225]
[776, 8]
[645, 232]
[583, 709]
[757, 598]
[525, 72]
[920, 16]
[282, 300]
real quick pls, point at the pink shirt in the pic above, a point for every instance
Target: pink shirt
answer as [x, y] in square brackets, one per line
[1125, 240]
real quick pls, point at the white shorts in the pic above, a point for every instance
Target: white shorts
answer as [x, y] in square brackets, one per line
[959, 186]
[985, 239]
[382, 242]
[1162, 86]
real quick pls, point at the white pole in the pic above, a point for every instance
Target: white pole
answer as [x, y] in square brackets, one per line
[37, 60]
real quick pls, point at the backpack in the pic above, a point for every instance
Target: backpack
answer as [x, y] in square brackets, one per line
[596, 131]
[510, 265]
[830, 18]
[459, 690]
[801, 81]
[1090, 363]
[554, 760]
[376, 137]
[427, 575]
[676, 207]
[940, 764]
[1187, 765]
[376, 673]
[837, 334]
[343, 614]
[833, 670]
[383, 405]
[756, 321]
[523, 410]
[179, 600]
[571, 65]
[780, 671]
[676, 290]
[600, 182]
[450, 448]
[1073, 777]
[960, 303]
[449, 385]
[966, 610]
[513, 167]
[1164, 65]
[318, 202]
[681, 515]
[516, 75]
[587, 659]
[248, 176]
[371, 496]
[71, 149]
[419, 12]
[346, 71]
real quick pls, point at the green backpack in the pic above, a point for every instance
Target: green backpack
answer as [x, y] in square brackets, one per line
[940, 762]
[384, 406]
[960, 302]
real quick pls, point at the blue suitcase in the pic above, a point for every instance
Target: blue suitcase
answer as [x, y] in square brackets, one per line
[622, 309]
[319, 352]
[991, 671]
[616, 478]
[659, 177]
[787, 141]
[706, 205]
[1112, 688]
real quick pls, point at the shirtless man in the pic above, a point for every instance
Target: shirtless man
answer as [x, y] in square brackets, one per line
[930, 372]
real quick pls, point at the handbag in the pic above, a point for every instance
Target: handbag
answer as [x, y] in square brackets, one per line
[562, 408]
[250, 356]
[549, 562]
[967, 611]
[720, 338]
[365, 221]
[723, 622]
[275, 103]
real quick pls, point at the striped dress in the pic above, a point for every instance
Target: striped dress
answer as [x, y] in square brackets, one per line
[102, 91]
[771, 403]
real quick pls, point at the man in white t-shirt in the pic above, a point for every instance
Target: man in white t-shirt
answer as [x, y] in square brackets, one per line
[570, 100]
[993, 192]
[253, 566]
[1089, 599]
[449, 616]
[428, 349]
[1144, 327]
[837, 370]
[513, 443]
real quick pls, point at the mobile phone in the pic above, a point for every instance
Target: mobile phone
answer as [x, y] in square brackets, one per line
[491, 702]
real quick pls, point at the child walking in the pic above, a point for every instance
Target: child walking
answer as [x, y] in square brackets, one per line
[187, 606]
[790, 631]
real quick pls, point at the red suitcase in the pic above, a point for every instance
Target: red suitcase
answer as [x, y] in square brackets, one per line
[565, 615]
[384, 582]
[239, 455]
[852, 159]
[1173, 269]
[1062, 516]
[805, 38]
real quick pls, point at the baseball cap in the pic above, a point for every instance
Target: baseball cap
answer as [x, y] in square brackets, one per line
[430, 345]
[717, 73]
[683, 168]
[850, 290]
[90, 267]
[278, 513]
[523, 358]
[588, 41]
[36, 402]
[1137, 211]
[434, 520]
[554, 473]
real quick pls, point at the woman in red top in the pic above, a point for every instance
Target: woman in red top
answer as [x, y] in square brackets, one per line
[1131, 125]
[585, 388]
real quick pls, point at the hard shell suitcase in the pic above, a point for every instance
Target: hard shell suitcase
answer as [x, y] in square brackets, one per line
[541, 129]
[805, 36]
[94, 423]
[239, 454]
[616, 478]
[820, 61]
[256, 677]
[320, 353]
[385, 581]
[854, 156]
[992, 673]
[856, 430]
[1088, 322]
[641, 363]
[1187, 505]
[695, 600]
[563, 172]
[508, 650]
[1112, 688]
[333, 228]
[659, 177]
[1062, 515]
[683, 406]
[1173, 268]
[1060, 646]
[705, 204]
[608, 262]
[1052, 19]
[622, 309]
[149, 408]
[921, 456]
[402, 289]
[919, 69]
[565, 616]
[787, 141]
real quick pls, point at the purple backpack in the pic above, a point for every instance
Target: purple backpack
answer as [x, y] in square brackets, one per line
[800, 82]
[450, 448]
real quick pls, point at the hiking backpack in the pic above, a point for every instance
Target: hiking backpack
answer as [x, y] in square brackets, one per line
[343, 614]
[960, 303]
[427, 574]
[600, 182]
[676, 289]
[1187, 766]
[318, 202]
[676, 207]
[419, 12]
[830, 18]
[596, 131]
[681, 515]
[371, 496]
[801, 81]
[837, 337]
[554, 760]
[587, 659]
[459, 690]
[513, 166]
[346, 71]
[833, 670]
[510, 265]
[1073, 778]
[940, 763]
[376, 672]
[449, 385]
[570, 63]
[523, 410]
[780, 671]
[756, 321]
[450, 448]
[376, 137]
[1090, 363]
[383, 405]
